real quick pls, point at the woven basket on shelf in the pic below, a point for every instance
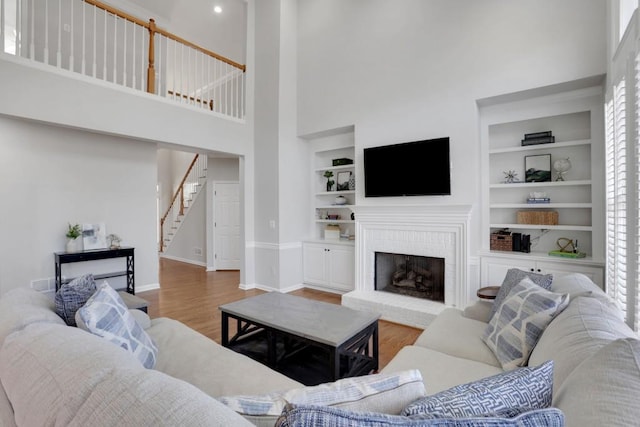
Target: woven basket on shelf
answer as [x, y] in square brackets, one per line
[537, 217]
[501, 242]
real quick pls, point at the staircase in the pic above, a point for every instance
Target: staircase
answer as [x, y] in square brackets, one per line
[184, 197]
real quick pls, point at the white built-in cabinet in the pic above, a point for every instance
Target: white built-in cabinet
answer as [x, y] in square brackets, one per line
[329, 263]
[575, 116]
[494, 267]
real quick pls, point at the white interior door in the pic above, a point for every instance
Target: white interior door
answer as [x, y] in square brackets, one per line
[226, 225]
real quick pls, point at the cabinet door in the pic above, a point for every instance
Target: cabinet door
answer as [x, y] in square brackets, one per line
[493, 270]
[315, 264]
[561, 269]
[341, 267]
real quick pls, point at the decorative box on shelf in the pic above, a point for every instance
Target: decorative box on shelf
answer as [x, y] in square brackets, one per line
[537, 217]
[342, 162]
[332, 232]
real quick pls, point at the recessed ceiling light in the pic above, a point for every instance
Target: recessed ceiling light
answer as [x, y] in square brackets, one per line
[217, 9]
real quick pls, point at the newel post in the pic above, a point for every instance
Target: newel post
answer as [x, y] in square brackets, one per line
[151, 71]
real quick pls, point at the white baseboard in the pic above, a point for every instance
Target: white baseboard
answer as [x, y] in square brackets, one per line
[188, 261]
[149, 287]
[246, 287]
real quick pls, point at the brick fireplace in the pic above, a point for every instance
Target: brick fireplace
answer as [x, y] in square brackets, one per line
[438, 231]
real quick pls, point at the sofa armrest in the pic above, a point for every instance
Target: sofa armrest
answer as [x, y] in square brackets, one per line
[480, 311]
[141, 317]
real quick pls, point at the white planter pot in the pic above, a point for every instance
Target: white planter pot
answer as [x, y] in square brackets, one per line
[73, 245]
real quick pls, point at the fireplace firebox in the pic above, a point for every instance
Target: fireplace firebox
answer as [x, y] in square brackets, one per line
[413, 275]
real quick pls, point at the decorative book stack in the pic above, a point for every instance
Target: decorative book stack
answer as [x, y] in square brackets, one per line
[535, 200]
[535, 138]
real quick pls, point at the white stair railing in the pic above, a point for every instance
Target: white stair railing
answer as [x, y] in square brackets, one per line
[183, 199]
[97, 40]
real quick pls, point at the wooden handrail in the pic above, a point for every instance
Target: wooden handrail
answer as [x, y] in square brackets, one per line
[179, 192]
[153, 29]
[191, 98]
[117, 12]
[201, 49]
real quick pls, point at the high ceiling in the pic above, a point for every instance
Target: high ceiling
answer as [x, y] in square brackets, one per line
[195, 20]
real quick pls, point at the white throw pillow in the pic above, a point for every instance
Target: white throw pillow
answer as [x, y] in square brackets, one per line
[106, 315]
[388, 393]
[515, 328]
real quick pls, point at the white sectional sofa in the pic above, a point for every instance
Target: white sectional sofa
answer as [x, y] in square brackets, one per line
[596, 355]
[53, 374]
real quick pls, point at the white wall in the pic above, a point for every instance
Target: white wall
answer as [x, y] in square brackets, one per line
[50, 176]
[413, 69]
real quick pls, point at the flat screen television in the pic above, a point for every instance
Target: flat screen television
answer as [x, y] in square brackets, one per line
[419, 168]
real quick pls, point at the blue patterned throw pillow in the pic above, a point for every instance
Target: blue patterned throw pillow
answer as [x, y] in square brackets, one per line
[73, 295]
[515, 329]
[515, 276]
[106, 315]
[322, 416]
[521, 388]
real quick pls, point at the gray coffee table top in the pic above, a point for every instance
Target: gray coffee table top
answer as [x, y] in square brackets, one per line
[321, 322]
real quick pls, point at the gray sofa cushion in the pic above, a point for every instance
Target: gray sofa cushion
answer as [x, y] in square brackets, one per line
[57, 375]
[604, 389]
[584, 327]
[218, 371]
[515, 276]
[440, 371]
[465, 341]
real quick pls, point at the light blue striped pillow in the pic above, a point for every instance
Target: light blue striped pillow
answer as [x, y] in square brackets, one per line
[515, 329]
[106, 315]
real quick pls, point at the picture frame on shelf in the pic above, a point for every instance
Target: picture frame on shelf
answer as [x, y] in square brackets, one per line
[342, 182]
[537, 168]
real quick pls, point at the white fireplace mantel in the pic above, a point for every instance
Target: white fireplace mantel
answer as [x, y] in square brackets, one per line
[425, 230]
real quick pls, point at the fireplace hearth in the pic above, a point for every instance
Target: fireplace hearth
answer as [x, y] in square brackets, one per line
[412, 275]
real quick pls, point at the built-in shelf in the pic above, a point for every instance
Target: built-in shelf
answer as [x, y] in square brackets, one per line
[543, 227]
[540, 256]
[542, 184]
[335, 193]
[336, 168]
[544, 147]
[541, 205]
[335, 206]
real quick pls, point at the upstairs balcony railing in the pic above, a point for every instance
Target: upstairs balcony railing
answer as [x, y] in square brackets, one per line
[97, 40]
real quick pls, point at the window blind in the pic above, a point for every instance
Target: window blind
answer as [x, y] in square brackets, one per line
[616, 196]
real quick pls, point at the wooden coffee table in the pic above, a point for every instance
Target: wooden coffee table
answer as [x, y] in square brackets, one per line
[310, 341]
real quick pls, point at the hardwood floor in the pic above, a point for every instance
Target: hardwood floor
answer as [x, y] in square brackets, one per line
[192, 295]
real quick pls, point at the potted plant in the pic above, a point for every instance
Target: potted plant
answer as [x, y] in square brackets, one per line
[330, 182]
[73, 232]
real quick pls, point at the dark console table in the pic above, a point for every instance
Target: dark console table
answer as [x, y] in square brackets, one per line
[94, 255]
